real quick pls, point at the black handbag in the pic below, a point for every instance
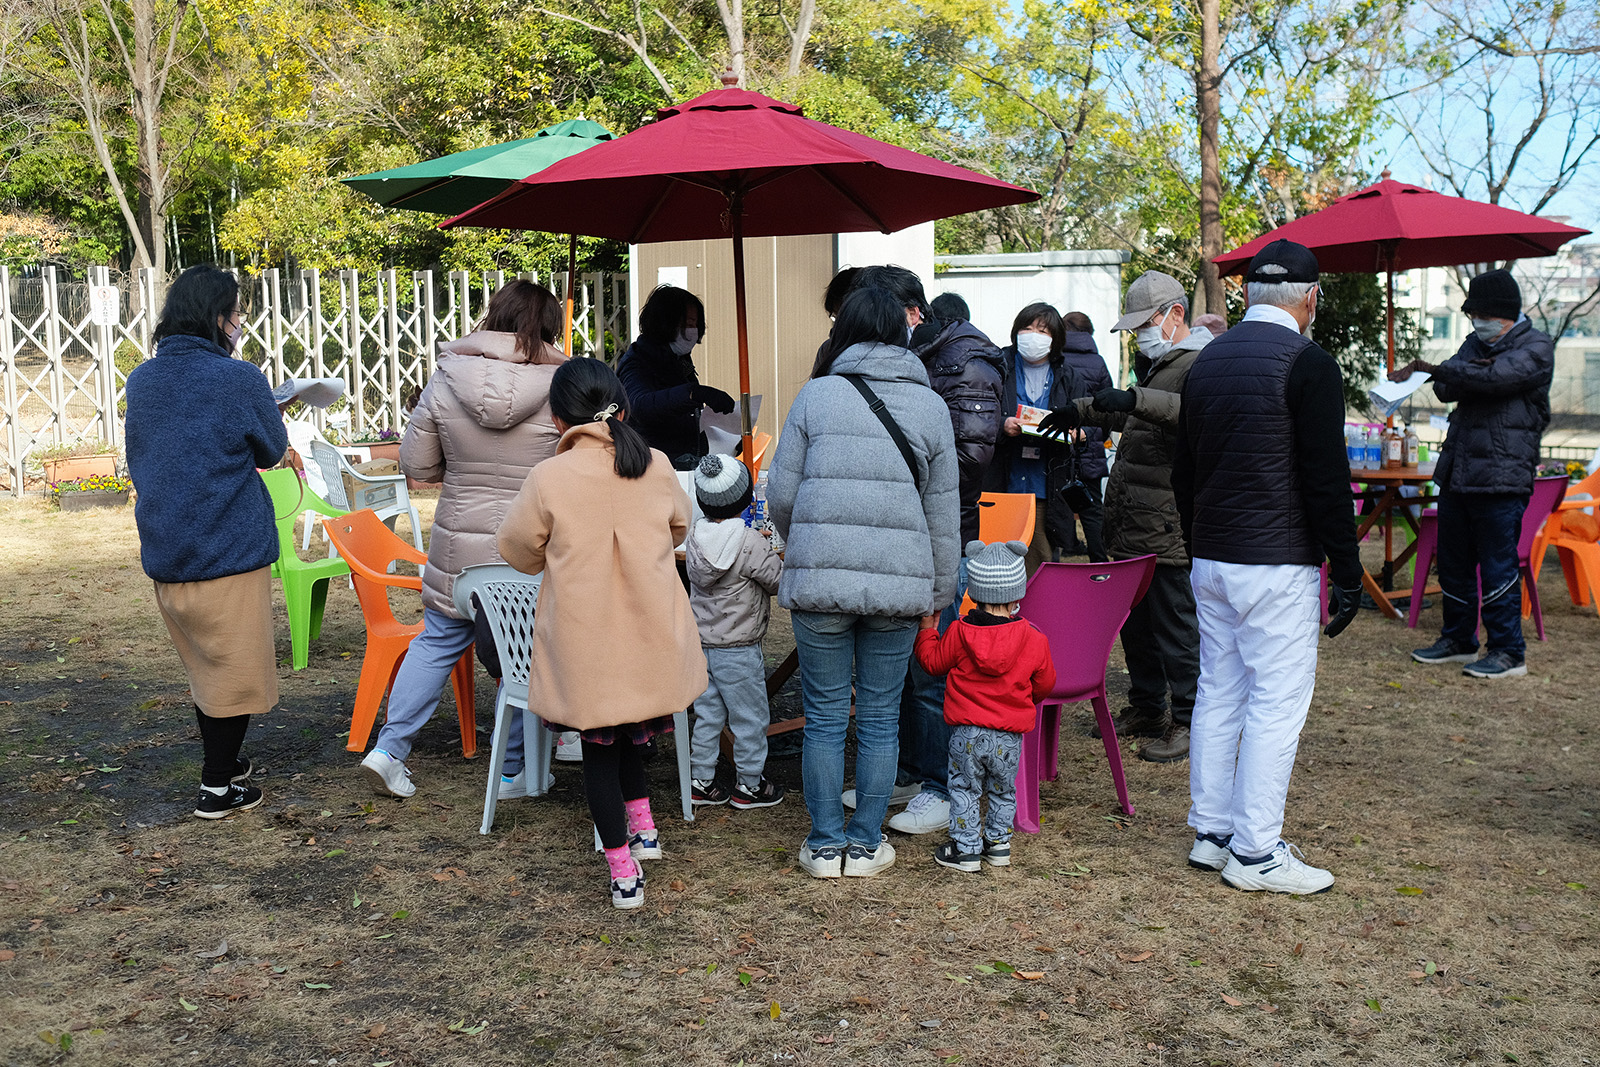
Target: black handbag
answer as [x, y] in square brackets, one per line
[1074, 492]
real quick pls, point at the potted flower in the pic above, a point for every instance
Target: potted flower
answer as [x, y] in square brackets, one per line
[97, 491]
[82, 459]
[383, 444]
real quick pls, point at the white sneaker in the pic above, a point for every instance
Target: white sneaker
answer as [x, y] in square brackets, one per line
[901, 794]
[860, 863]
[1285, 871]
[926, 813]
[517, 786]
[392, 773]
[1207, 855]
[821, 862]
[569, 747]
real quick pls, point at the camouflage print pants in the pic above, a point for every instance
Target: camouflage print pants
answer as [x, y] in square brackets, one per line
[982, 761]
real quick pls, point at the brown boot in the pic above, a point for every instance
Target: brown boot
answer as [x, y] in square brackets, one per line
[1136, 722]
[1173, 746]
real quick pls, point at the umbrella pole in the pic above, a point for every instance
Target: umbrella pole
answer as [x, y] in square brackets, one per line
[572, 281]
[1389, 319]
[736, 215]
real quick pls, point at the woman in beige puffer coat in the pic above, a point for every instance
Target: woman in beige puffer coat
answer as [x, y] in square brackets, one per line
[480, 426]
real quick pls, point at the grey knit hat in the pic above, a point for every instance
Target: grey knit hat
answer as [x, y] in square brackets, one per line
[722, 485]
[995, 573]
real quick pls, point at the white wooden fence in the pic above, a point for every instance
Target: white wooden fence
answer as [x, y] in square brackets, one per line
[66, 347]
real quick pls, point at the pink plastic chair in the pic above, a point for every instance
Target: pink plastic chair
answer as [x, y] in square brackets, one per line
[1547, 493]
[1080, 607]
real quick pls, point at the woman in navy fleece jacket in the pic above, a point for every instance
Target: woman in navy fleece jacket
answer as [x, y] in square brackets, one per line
[199, 423]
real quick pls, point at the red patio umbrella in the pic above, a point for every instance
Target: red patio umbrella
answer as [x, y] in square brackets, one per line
[1392, 226]
[731, 163]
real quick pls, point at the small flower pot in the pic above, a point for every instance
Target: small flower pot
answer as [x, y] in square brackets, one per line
[93, 498]
[74, 467]
[383, 449]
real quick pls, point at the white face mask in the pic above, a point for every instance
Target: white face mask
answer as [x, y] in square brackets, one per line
[687, 338]
[1152, 339]
[1488, 330]
[1034, 347]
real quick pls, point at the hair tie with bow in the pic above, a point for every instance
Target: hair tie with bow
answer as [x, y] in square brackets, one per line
[602, 416]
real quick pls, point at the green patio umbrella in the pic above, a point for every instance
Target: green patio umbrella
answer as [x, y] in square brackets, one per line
[451, 184]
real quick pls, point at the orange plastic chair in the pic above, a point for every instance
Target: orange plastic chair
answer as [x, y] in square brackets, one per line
[369, 547]
[1576, 536]
[1003, 517]
[759, 443]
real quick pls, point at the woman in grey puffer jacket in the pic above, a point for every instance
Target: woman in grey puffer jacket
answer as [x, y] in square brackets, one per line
[482, 423]
[871, 547]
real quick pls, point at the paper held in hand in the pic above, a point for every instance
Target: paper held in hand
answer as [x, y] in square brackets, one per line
[1387, 396]
[317, 392]
[1030, 418]
[723, 432]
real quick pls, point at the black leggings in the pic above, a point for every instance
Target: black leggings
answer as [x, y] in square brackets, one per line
[612, 775]
[222, 738]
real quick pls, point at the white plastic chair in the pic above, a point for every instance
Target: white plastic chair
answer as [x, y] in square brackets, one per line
[508, 599]
[301, 434]
[385, 494]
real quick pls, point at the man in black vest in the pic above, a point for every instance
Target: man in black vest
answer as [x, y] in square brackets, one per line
[1500, 383]
[1263, 489]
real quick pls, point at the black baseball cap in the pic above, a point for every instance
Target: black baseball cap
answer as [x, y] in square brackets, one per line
[1299, 263]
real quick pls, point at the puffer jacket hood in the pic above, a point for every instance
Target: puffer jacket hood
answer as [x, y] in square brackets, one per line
[485, 372]
[996, 670]
[993, 646]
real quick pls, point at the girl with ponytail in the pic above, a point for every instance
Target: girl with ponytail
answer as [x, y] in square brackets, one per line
[615, 651]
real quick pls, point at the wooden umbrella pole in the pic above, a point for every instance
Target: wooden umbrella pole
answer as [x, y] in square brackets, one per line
[1389, 314]
[736, 213]
[572, 282]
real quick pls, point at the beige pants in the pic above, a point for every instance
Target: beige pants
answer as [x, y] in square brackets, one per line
[222, 629]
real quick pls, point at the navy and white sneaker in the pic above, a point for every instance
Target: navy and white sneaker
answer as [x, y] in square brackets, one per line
[236, 797]
[1500, 664]
[764, 794]
[707, 791]
[1284, 870]
[1210, 852]
[1446, 650]
[950, 855]
[645, 845]
[863, 862]
[997, 853]
[628, 893]
[825, 862]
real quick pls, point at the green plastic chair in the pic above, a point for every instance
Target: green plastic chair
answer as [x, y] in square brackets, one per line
[305, 585]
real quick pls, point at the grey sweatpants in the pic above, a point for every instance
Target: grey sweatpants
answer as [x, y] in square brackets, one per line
[735, 697]
[983, 760]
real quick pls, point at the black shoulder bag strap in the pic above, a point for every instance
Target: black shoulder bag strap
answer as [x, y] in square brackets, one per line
[875, 402]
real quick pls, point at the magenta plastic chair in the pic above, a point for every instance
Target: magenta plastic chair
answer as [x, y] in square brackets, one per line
[1080, 607]
[1547, 494]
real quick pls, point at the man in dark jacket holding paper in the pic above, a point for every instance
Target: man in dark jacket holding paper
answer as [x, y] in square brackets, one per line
[1499, 381]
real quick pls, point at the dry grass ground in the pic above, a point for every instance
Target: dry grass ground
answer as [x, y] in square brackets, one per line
[1459, 816]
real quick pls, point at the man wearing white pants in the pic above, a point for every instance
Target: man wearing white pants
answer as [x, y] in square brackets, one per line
[1262, 487]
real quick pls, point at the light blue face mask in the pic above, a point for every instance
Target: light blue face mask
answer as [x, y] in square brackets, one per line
[1488, 330]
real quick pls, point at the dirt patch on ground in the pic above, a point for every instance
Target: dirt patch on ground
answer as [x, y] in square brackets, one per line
[1460, 818]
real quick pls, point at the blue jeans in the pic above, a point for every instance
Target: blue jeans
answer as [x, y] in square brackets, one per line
[924, 735]
[420, 682]
[877, 648]
[1477, 556]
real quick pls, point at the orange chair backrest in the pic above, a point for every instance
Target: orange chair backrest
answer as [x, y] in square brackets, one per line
[1006, 517]
[369, 546]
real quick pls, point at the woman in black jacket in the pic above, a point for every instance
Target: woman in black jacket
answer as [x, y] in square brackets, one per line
[1038, 376]
[664, 391]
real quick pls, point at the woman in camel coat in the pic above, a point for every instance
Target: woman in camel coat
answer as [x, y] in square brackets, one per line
[615, 650]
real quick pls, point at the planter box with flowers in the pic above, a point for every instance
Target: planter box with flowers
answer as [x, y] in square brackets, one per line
[1572, 470]
[83, 459]
[99, 491]
[384, 444]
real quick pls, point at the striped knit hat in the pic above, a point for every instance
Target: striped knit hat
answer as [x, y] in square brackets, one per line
[995, 573]
[722, 485]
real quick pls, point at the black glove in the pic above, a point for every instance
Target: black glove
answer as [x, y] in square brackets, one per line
[1343, 603]
[715, 399]
[1114, 400]
[1060, 421]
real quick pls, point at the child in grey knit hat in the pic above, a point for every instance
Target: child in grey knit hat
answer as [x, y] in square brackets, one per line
[733, 573]
[998, 666]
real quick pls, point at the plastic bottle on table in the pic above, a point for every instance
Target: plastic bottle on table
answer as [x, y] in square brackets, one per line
[1408, 449]
[1374, 450]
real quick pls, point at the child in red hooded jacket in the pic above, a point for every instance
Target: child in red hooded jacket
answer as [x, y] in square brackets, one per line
[998, 667]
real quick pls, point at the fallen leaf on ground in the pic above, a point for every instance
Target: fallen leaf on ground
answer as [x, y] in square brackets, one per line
[1140, 958]
[676, 885]
[1044, 1016]
[1028, 976]
[378, 1031]
[1232, 1001]
[6, 955]
[219, 951]
[822, 1039]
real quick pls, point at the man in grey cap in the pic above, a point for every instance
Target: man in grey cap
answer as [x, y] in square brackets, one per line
[1263, 490]
[1161, 639]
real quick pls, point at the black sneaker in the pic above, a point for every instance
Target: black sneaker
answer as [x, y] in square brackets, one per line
[1500, 664]
[997, 853]
[706, 791]
[950, 855]
[1136, 722]
[1446, 650]
[764, 795]
[237, 798]
[242, 769]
